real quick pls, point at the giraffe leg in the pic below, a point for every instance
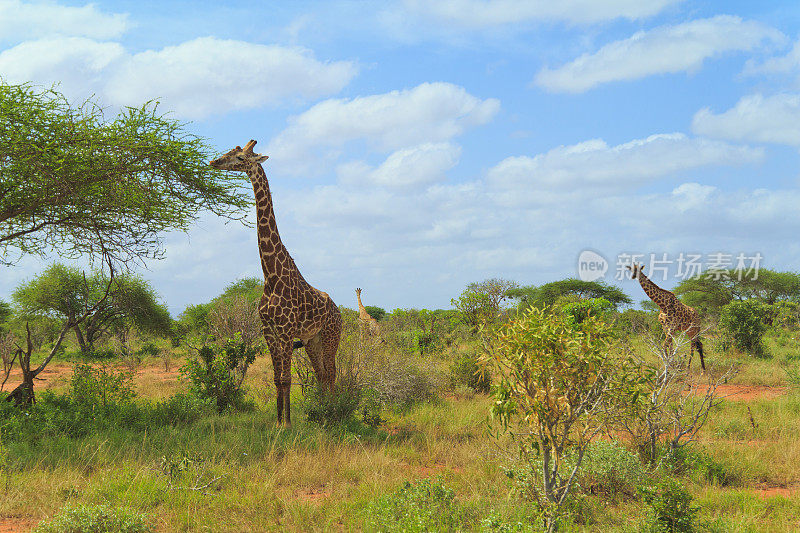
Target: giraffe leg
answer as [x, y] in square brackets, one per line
[315, 352]
[281, 352]
[330, 341]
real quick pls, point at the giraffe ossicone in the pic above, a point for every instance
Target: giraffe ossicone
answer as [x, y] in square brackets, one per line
[675, 317]
[293, 313]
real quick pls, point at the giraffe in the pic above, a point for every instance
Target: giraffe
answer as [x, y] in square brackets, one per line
[365, 320]
[290, 308]
[675, 316]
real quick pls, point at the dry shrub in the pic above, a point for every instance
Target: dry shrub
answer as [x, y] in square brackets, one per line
[236, 314]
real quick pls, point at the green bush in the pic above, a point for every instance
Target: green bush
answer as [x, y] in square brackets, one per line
[217, 374]
[671, 508]
[420, 507]
[465, 370]
[96, 519]
[149, 350]
[93, 386]
[611, 471]
[742, 324]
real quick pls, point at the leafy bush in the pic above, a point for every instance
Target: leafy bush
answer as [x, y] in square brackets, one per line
[742, 323]
[418, 507]
[96, 519]
[611, 471]
[671, 507]
[559, 384]
[93, 386]
[149, 350]
[217, 374]
[327, 409]
[465, 370]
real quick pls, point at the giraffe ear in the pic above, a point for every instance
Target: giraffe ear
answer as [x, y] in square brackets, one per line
[260, 158]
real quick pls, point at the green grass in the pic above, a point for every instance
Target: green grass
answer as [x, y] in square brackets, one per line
[239, 472]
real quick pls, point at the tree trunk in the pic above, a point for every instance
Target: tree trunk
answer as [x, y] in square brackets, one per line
[22, 396]
[81, 341]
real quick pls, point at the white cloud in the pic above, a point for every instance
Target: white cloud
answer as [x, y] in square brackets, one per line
[416, 166]
[77, 64]
[212, 76]
[593, 164]
[490, 13]
[194, 79]
[30, 20]
[772, 119]
[428, 113]
[788, 64]
[666, 49]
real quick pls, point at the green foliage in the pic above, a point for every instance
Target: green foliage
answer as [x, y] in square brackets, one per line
[5, 313]
[671, 507]
[785, 315]
[251, 288]
[218, 372]
[742, 323]
[98, 386]
[64, 293]
[577, 312]
[710, 292]
[77, 182]
[149, 349]
[341, 407]
[634, 321]
[375, 312]
[96, 519]
[62, 416]
[419, 507]
[466, 370]
[559, 382]
[546, 295]
[194, 319]
[474, 308]
[611, 471]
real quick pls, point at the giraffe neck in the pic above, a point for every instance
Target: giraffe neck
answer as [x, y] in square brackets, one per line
[664, 299]
[269, 240]
[360, 305]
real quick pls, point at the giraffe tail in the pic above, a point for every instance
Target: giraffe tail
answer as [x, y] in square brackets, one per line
[300, 344]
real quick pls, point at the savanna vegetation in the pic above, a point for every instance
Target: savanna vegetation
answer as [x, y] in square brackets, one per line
[522, 408]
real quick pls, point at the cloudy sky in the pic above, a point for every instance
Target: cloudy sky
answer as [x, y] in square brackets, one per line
[417, 146]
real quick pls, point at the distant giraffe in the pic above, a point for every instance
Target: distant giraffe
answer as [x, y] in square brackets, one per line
[290, 308]
[365, 319]
[675, 316]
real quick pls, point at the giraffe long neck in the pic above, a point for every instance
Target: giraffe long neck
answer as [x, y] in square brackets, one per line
[360, 305]
[270, 246]
[664, 299]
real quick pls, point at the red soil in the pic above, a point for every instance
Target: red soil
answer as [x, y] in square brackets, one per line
[16, 525]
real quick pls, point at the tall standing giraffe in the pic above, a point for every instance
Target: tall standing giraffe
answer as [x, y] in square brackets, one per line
[290, 308]
[675, 316]
[365, 319]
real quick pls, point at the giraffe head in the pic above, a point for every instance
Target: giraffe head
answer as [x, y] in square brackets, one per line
[239, 158]
[358, 292]
[636, 269]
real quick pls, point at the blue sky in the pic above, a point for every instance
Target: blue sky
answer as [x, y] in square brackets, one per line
[418, 146]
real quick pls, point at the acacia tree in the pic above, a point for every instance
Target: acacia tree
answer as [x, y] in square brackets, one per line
[75, 181]
[23, 394]
[547, 294]
[116, 305]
